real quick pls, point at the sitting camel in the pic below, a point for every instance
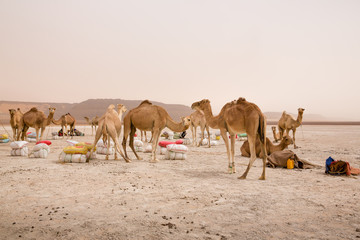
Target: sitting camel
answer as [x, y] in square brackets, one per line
[36, 119]
[198, 120]
[110, 125]
[287, 123]
[93, 123]
[64, 121]
[149, 117]
[276, 135]
[238, 116]
[270, 148]
[15, 122]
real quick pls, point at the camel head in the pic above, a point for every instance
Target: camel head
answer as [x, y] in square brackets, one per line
[186, 121]
[12, 112]
[200, 105]
[121, 108]
[273, 128]
[52, 110]
[287, 140]
[301, 110]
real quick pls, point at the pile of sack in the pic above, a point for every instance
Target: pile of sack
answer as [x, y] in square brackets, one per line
[205, 142]
[4, 138]
[76, 152]
[19, 148]
[173, 150]
[138, 145]
[31, 136]
[101, 148]
[41, 149]
[339, 167]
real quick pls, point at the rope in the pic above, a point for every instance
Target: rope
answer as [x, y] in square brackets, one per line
[6, 131]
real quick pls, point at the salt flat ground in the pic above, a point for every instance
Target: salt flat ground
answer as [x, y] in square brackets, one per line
[182, 199]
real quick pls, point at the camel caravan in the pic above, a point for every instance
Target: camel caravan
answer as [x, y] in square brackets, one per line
[235, 118]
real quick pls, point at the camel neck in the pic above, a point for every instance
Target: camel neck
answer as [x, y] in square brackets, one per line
[210, 119]
[175, 126]
[299, 118]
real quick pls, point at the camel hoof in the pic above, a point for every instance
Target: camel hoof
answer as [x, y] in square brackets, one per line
[154, 161]
[262, 178]
[242, 177]
[128, 160]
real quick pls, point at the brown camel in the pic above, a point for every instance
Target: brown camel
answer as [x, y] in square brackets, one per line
[94, 122]
[198, 120]
[276, 135]
[64, 121]
[270, 148]
[36, 119]
[15, 122]
[149, 117]
[287, 123]
[238, 117]
[110, 125]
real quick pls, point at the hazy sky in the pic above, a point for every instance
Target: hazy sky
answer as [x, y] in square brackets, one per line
[281, 55]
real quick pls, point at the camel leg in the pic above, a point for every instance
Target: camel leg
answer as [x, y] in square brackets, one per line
[264, 156]
[251, 140]
[155, 135]
[202, 135]
[112, 133]
[23, 132]
[232, 138]
[208, 132]
[294, 130]
[41, 134]
[131, 142]
[226, 141]
[97, 137]
[193, 136]
[14, 133]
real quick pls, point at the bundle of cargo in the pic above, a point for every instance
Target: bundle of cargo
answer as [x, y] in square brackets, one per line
[55, 135]
[102, 148]
[76, 152]
[19, 148]
[205, 142]
[138, 145]
[40, 150]
[31, 137]
[176, 152]
[164, 144]
[4, 138]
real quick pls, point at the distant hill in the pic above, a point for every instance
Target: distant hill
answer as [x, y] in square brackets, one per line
[89, 108]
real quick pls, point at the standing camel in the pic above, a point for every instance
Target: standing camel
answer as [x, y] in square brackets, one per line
[36, 119]
[149, 117]
[110, 125]
[94, 122]
[287, 123]
[198, 120]
[15, 122]
[239, 117]
[64, 121]
[276, 135]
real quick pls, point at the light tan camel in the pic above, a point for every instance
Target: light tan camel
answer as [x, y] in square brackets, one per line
[143, 136]
[287, 123]
[276, 135]
[110, 125]
[198, 120]
[239, 117]
[64, 121]
[15, 122]
[270, 148]
[149, 117]
[36, 119]
[94, 122]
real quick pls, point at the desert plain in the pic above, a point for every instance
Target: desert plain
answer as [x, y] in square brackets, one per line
[182, 199]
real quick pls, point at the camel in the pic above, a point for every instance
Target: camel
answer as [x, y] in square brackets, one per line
[64, 121]
[270, 148]
[149, 117]
[93, 123]
[276, 135]
[287, 123]
[15, 122]
[198, 120]
[36, 119]
[110, 125]
[143, 136]
[238, 117]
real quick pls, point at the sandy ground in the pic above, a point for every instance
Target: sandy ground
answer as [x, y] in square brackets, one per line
[182, 199]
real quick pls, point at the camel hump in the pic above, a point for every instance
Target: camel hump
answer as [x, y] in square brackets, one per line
[240, 100]
[34, 109]
[145, 102]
